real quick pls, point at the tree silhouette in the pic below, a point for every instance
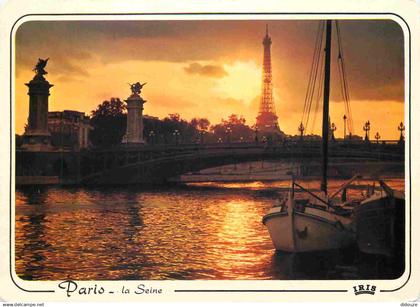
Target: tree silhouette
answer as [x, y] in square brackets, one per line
[234, 128]
[201, 124]
[159, 131]
[109, 123]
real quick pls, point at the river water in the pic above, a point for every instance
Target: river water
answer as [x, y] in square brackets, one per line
[196, 231]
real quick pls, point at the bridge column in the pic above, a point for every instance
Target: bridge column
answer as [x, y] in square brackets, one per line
[36, 136]
[134, 132]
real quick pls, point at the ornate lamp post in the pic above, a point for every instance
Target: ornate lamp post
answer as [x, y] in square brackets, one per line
[176, 134]
[344, 119]
[401, 128]
[228, 132]
[366, 128]
[256, 134]
[202, 132]
[377, 137]
[332, 129]
[152, 137]
[301, 129]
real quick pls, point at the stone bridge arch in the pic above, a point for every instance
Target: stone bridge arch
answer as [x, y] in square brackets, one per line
[142, 167]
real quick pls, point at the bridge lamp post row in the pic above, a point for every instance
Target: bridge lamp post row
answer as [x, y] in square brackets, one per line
[366, 128]
[333, 128]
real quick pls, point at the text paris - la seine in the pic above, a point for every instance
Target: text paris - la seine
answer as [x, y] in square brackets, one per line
[72, 287]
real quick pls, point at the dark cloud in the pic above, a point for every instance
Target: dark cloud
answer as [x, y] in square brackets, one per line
[213, 71]
[373, 50]
[64, 61]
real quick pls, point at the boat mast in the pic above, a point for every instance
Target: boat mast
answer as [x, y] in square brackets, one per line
[325, 113]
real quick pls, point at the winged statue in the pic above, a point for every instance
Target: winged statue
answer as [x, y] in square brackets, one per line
[136, 87]
[39, 67]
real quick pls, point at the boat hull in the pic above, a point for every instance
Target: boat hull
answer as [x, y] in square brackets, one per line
[280, 230]
[380, 225]
[309, 231]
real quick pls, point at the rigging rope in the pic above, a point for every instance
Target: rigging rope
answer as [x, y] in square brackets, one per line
[343, 81]
[315, 87]
[320, 94]
[313, 76]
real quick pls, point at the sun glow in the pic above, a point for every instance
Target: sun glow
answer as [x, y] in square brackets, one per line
[243, 81]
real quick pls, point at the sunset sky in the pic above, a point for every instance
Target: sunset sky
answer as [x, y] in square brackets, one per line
[212, 68]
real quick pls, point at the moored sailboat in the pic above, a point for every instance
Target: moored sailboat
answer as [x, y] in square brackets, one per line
[313, 223]
[306, 225]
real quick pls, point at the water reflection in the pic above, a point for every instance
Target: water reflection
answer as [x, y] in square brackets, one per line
[206, 231]
[239, 244]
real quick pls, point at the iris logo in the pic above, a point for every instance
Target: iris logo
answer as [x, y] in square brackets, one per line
[364, 289]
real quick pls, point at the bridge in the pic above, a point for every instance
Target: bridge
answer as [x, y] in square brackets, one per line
[155, 164]
[158, 163]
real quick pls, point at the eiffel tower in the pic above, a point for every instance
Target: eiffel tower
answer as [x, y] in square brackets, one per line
[267, 120]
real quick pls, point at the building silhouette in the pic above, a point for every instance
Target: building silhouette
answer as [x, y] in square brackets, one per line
[69, 129]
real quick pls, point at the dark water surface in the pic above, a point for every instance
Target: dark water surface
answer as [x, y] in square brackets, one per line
[199, 231]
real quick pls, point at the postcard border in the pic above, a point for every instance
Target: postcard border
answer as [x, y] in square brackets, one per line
[214, 13]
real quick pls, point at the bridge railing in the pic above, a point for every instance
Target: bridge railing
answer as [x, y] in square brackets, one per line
[287, 143]
[102, 159]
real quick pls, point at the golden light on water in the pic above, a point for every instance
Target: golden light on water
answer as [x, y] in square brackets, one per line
[239, 231]
[236, 224]
[252, 185]
[205, 232]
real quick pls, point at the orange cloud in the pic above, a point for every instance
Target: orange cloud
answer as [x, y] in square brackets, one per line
[213, 71]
